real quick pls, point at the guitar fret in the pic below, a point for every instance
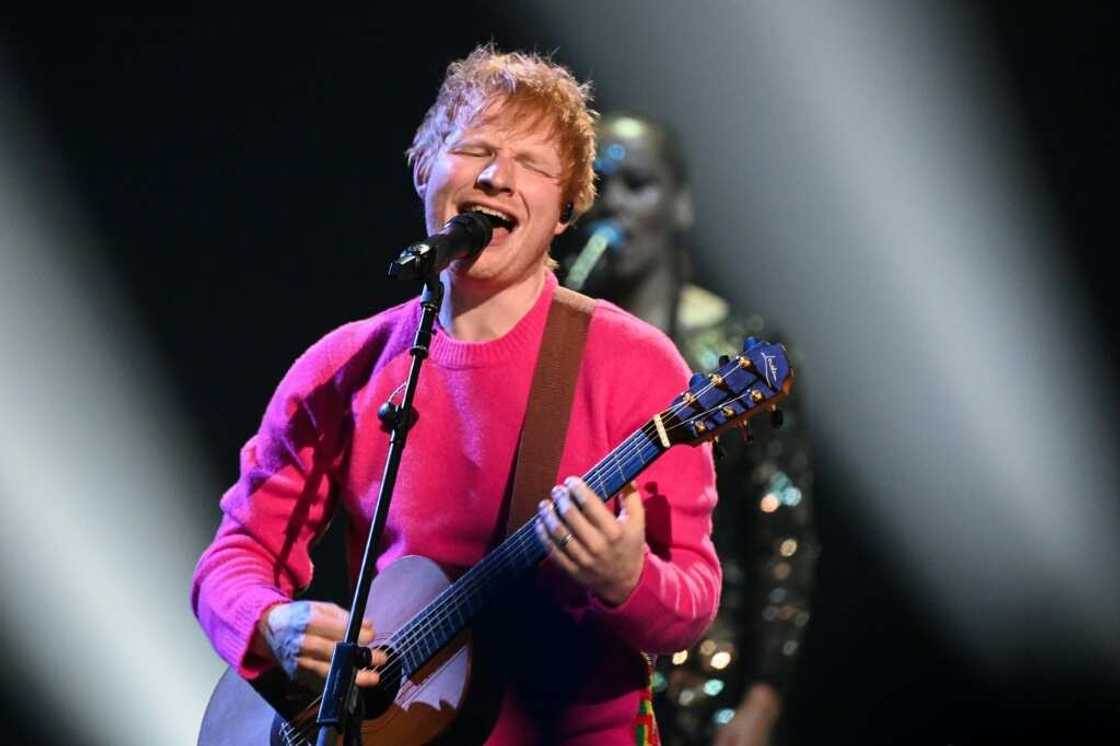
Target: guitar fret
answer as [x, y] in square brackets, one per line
[621, 473]
[409, 661]
[450, 612]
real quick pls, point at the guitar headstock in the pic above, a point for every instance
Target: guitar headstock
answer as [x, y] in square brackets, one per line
[743, 386]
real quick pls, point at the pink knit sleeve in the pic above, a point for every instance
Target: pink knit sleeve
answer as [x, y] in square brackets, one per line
[679, 589]
[678, 592]
[273, 513]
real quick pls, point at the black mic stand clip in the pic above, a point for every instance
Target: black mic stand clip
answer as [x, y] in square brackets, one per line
[414, 263]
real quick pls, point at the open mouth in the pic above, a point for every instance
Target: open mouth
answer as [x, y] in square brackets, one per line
[497, 218]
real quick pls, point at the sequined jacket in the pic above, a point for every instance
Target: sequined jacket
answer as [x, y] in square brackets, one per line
[764, 535]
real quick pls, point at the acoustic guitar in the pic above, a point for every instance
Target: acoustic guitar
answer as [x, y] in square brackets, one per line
[422, 619]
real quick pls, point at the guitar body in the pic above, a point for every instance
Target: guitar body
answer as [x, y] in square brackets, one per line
[422, 706]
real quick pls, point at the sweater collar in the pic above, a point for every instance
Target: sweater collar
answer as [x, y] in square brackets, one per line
[517, 342]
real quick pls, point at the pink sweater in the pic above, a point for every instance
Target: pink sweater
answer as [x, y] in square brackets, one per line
[321, 444]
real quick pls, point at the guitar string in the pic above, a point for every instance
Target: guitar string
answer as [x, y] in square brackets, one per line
[437, 612]
[631, 447]
[437, 615]
[513, 550]
[448, 604]
[399, 660]
[526, 536]
[634, 446]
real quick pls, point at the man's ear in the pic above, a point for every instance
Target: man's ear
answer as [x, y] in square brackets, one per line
[683, 211]
[565, 220]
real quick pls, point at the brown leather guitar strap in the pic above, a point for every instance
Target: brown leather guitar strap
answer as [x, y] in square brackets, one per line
[546, 429]
[550, 404]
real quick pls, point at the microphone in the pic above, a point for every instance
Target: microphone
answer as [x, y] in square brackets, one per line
[605, 234]
[462, 237]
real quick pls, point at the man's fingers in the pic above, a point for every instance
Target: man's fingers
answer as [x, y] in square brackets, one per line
[633, 510]
[317, 648]
[313, 666]
[329, 613]
[327, 620]
[544, 529]
[368, 678]
[322, 648]
[372, 676]
[549, 521]
[570, 515]
[313, 669]
[592, 508]
[323, 633]
[585, 539]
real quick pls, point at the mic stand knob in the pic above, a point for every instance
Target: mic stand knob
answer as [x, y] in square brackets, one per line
[389, 414]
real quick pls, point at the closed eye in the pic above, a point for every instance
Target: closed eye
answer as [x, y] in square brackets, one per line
[540, 169]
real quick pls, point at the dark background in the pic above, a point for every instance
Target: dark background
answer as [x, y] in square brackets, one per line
[247, 180]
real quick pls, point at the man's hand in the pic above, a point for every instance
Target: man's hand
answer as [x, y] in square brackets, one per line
[301, 637]
[600, 551]
[754, 719]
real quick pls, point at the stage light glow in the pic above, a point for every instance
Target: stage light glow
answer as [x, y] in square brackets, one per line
[897, 231]
[107, 502]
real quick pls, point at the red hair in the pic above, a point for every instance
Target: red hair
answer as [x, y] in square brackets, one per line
[537, 90]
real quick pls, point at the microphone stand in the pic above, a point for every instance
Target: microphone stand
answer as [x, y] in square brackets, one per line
[341, 710]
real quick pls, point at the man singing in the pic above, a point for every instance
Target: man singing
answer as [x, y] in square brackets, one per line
[509, 135]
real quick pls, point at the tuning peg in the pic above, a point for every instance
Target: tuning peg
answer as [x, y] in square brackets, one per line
[718, 450]
[697, 380]
[777, 418]
[724, 359]
[745, 431]
[749, 343]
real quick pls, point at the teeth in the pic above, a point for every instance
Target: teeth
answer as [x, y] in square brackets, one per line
[491, 211]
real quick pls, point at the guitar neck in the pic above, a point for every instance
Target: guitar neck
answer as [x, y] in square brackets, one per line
[450, 612]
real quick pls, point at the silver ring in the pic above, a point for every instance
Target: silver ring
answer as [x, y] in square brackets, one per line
[564, 540]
